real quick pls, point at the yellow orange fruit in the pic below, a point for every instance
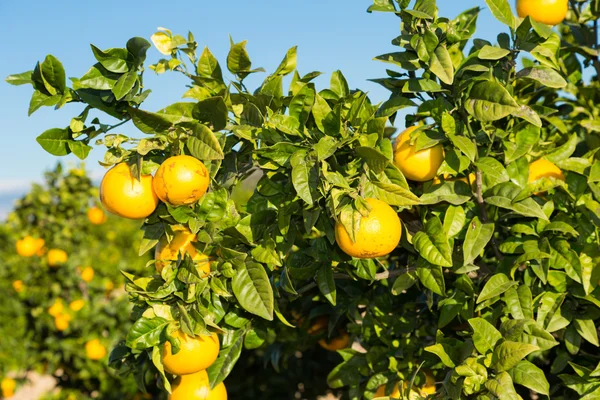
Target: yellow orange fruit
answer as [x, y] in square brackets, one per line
[77, 305]
[319, 325]
[122, 194]
[61, 322]
[195, 353]
[29, 246]
[57, 257]
[57, 308]
[181, 243]
[420, 166]
[197, 387]
[96, 216]
[395, 393]
[549, 12]
[379, 233]
[8, 386]
[87, 274]
[181, 180]
[337, 343]
[18, 286]
[95, 350]
[544, 169]
[429, 387]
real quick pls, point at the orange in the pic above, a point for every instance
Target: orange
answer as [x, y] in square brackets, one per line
[57, 308]
[195, 354]
[96, 216]
[319, 325]
[122, 194]
[77, 305]
[429, 387]
[379, 233]
[549, 12]
[395, 393]
[337, 343]
[57, 257]
[197, 387]
[29, 246]
[181, 180]
[87, 274]
[61, 322]
[18, 286]
[544, 169]
[420, 166]
[42, 251]
[426, 390]
[8, 386]
[181, 243]
[95, 350]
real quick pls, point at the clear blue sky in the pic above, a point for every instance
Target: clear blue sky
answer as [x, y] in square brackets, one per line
[331, 34]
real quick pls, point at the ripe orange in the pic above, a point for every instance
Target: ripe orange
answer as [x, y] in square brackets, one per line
[61, 322]
[319, 325]
[57, 308]
[95, 350]
[96, 216]
[544, 169]
[420, 166]
[57, 257]
[181, 180]
[378, 235]
[8, 386]
[18, 286]
[122, 194]
[395, 393]
[182, 242]
[29, 246]
[337, 343]
[195, 354]
[429, 387]
[549, 12]
[87, 274]
[196, 387]
[77, 305]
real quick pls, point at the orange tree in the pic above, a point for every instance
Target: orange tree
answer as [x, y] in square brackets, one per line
[486, 289]
[64, 303]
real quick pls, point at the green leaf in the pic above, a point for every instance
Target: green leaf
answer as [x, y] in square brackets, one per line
[453, 192]
[253, 290]
[530, 376]
[157, 361]
[478, 236]
[485, 336]
[149, 122]
[441, 65]
[432, 243]
[53, 75]
[55, 141]
[124, 85]
[208, 66]
[288, 64]
[326, 283]
[392, 194]
[97, 77]
[114, 60]
[502, 386]
[304, 177]
[465, 145]
[339, 85]
[20, 79]
[489, 101]
[544, 75]
[203, 144]
[376, 160]
[524, 142]
[39, 99]
[494, 287]
[432, 277]
[502, 11]
[393, 105]
[565, 151]
[587, 330]
[80, 149]
[519, 302]
[454, 220]
[493, 170]
[326, 147]
[302, 103]
[146, 333]
[227, 359]
[492, 53]
[508, 354]
[403, 282]
[212, 111]
[138, 47]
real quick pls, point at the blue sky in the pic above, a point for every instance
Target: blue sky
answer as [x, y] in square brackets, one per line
[331, 34]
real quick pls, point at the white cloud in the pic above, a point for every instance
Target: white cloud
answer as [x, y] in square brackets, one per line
[13, 186]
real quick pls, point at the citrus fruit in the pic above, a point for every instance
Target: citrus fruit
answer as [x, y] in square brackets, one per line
[96, 216]
[379, 233]
[319, 325]
[195, 354]
[87, 274]
[420, 166]
[61, 322]
[95, 350]
[42, 251]
[8, 386]
[18, 286]
[57, 308]
[181, 243]
[197, 387]
[122, 194]
[429, 387]
[57, 257]
[29, 246]
[337, 343]
[544, 169]
[77, 305]
[381, 392]
[549, 12]
[181, 180]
